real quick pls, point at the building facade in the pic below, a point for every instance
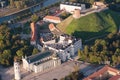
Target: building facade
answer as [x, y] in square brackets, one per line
[41, 62]
[66, 47]
[105, 73]
[70, 7]
[52, 19]
[17, 70]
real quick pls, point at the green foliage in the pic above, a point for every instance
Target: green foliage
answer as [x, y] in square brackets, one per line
[34, 18]
[12, 45]
[5, 57]
[73, 76]
[117, 1]
[103, 51]
[35, 51]
[19, 4]
[12, 3]
[19, 53]
[79, 53]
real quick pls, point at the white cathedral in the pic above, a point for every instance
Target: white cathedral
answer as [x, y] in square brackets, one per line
[41, 61]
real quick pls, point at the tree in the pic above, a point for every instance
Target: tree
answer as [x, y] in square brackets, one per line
[76, 67]
[35, 51]
[117, 1]
[79, 53]
[2, 45]
[99, 60]
[110, 35]
[5, 57]
[7, 54]
[86, 49]
[91, 1]
[34, 18]
[72, 0]
[114, 59]
[19, 53]
[17, 4]
[12, 45]
[12, 3]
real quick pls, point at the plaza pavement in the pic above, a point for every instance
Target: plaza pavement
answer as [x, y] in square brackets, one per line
[55, 73]
[58, 72]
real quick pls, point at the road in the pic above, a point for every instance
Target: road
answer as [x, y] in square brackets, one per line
[32, 9]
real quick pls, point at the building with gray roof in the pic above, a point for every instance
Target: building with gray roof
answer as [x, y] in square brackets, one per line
[41, 61]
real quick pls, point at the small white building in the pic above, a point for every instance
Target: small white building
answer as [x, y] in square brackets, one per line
[70, 7]
[52, 19]
[41, 62]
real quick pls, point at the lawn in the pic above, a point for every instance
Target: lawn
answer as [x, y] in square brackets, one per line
[95, 24]
[63, 25]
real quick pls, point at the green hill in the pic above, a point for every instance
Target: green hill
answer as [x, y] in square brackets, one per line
[95, 24]
[63, 25]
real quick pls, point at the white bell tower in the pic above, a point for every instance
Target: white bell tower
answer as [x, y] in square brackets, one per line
[72, 50]
[17, 70]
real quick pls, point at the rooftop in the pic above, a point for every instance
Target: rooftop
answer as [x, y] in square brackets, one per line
[115, 77]
[47, 36]
[71, 3]
[102, 72]
[51, 27]
[39, 56]
[52, 17]
[62, 42]
[40, 62]
[58, 46]
[54, 30]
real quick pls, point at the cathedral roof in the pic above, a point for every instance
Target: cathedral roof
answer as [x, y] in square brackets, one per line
[39, 56]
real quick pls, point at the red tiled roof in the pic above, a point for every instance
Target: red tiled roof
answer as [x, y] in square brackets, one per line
[101, 71]
[51, 27]
[33, 31]
[52, 17]
[115, 77]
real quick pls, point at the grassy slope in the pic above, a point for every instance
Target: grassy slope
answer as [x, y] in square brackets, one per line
[95, 24]
[63, 25]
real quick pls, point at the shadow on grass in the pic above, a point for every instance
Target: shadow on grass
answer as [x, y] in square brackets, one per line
[89, 36]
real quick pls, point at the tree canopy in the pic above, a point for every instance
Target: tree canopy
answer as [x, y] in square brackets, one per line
[12, 45]
[103, 51]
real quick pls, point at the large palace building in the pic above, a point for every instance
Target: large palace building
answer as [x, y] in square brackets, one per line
[64, 45]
